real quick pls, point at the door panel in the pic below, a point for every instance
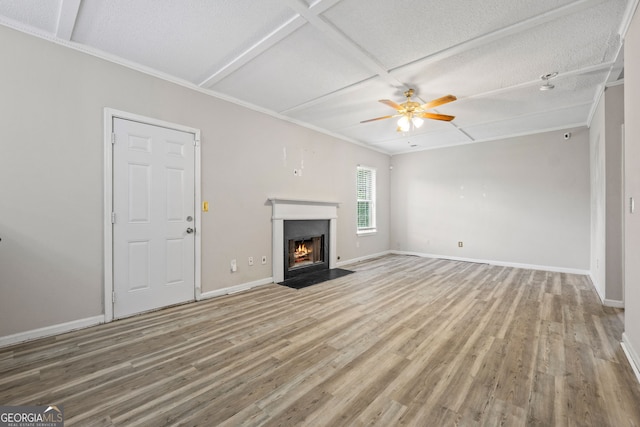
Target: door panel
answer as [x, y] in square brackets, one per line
[175, 263]
[175, 195]
[153, 194]
[139, 189]
[139, 266]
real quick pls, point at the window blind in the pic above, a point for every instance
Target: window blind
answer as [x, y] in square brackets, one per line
[366, 198]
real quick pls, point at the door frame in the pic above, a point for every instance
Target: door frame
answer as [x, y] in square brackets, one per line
[109, 115]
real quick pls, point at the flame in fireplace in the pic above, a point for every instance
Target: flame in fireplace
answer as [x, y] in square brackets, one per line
[302, 250]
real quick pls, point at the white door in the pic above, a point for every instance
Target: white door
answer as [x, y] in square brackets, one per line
[154, 220]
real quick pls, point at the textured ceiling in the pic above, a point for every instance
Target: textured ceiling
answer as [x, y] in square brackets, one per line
[326, 63]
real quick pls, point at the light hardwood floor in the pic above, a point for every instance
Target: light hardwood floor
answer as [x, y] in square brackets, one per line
[403, 341]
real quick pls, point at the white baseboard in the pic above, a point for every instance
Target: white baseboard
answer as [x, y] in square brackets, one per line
[604, 301]
[613, 303]
[235, 289]
[632, 355]
[362, 258]
[498, 263]
[48, 331]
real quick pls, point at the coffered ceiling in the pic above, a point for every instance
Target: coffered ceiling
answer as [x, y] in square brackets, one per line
[326, 63]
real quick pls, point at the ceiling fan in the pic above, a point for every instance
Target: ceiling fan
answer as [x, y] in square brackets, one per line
[411, 113]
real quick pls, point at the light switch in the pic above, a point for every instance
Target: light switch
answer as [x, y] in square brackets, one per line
[205, 206]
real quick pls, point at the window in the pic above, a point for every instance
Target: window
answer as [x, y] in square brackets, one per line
[366, 189]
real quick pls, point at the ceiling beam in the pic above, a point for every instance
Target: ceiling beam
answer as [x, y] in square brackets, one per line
[342, 42]
[271, 39]
[261, 46]
[342, 91]
[67, 18]
[321, 6]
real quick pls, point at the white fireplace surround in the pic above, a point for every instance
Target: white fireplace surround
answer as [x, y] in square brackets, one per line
[289, 209]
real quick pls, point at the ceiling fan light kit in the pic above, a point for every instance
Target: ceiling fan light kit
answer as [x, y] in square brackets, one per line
[417, 121]
[404, 124]
[412, 114]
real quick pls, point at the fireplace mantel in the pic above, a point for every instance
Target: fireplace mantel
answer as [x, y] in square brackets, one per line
[294, 209]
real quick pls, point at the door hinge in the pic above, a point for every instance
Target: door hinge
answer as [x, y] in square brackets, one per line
[196, 142]
[113, 297]
[113, 217]
[113, 137]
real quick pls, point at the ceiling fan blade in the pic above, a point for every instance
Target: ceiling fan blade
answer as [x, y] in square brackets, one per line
[391, 104]
[435, 116]
[380, 118]
[439, 101]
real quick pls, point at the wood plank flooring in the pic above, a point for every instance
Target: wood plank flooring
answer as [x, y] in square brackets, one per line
[404, 341]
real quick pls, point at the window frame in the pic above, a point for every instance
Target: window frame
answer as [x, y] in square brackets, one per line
[371, 228]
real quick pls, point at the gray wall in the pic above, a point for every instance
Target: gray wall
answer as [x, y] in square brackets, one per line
[632, 188]
[523, 200]
[614, 116]
[51, 175]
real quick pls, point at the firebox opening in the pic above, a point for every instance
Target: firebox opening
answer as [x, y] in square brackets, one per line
[306, 252]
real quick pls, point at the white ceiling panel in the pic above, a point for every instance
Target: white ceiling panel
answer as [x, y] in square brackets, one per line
[374, 132]
[543, 121]
[423, 141]
[414, 29]
[326, 63]
[570, 43]
[39, 14]
[187, 39]
[273, 79]
[569, 91]
[347, 107]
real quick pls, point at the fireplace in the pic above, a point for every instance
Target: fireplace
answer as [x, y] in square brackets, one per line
[297, 214]
[305, 247]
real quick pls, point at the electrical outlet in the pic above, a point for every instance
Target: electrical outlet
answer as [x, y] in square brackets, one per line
[264, 259]
[234, 265]
[459, 244]
[250, 260]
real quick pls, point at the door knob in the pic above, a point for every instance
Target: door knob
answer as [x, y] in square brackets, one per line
[189, 230]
